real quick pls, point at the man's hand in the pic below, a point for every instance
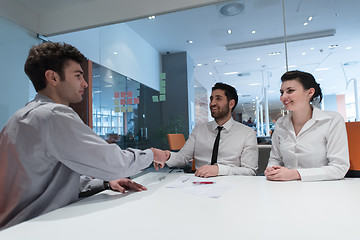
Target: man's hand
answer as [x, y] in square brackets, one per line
[160, 157]
[124, 184]
[207, 171]
[277, 173]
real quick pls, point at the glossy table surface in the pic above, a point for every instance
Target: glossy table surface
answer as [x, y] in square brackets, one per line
[253, 208]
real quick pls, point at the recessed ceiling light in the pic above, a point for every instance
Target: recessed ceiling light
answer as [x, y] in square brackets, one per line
[312, 48]
[333, 46]
[231, 73]
[322, 69]
[210, 73]
[310, 18]
[229, 31]
[253, 32]
[306, 23]
[258, 59]
[290, 66]
[199, 64]
[189, 41]
[348, 48]
[151, 17]
[115, 53]
[110, 76]
[303, 53]
[274, 53]
[254, 84]
[217, 60]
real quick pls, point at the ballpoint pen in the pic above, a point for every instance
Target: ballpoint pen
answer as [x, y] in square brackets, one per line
[198, 183]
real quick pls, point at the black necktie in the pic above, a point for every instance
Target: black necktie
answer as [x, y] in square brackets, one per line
[216, 146]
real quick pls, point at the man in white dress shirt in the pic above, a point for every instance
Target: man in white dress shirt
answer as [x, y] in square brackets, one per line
[45, 146]
[237, 153]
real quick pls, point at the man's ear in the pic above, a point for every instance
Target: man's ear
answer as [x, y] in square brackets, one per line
[231, 103]
[52, 77]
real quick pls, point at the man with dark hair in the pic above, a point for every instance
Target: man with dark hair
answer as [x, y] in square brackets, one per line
[222, 146]
[45, 146]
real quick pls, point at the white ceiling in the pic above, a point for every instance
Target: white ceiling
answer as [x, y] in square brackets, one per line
[208, 29]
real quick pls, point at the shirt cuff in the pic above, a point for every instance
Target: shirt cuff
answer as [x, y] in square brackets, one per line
[223, 170]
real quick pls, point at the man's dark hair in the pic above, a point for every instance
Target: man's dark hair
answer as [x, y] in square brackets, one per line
[49, 56]
[307, 80]
[230, 92]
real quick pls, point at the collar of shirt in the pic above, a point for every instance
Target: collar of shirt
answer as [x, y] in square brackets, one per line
[317, 115]
[227, 125]
[43, 98]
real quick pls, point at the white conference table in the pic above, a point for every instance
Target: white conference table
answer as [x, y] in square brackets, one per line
[252, 209]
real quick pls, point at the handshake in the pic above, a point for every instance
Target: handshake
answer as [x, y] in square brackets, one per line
[160, 157]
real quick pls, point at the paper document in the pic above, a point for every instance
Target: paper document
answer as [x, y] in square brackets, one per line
[204, 187]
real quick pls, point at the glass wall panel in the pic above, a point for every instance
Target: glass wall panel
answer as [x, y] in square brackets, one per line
[328, 48]
[121, 107]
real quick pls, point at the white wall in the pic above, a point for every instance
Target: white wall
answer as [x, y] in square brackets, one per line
[136, 59]
[15, 43]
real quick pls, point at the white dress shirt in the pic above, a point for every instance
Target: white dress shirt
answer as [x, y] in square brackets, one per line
[44, 148]
[318, 152]
[238, 152]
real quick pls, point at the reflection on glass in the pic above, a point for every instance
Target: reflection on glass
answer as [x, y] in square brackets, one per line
[120, 108]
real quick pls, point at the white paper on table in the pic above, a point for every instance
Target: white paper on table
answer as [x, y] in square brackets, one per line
[185, 184]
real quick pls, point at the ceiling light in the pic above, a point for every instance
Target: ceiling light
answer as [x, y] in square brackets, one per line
[291, 66]
[348, 48]
[108, 85]
[304, 53]
[189, 41]
[312, 48]
[322, 69]
[110, 76]
[232, 9]
[291, 38]
[254, 84]
[210, 73]
[115, 53]
[199, 64]
[217, 60]
[231, 73]
[229, 31]
[151, 17]
[333, 46]
[274, 53]
[258, 59]
[310, 18]
[253, 32]
[306, 23]
[97, 91]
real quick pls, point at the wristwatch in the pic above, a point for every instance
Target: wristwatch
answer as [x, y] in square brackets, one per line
[107, 185]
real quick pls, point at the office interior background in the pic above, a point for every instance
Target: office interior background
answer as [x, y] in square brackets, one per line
[153, 64]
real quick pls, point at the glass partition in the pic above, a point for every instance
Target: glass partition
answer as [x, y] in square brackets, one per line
[123, 111]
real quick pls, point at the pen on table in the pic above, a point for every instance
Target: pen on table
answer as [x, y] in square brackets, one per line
[198, 183]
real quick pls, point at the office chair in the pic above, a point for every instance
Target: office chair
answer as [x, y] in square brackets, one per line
[353, 134]
[176, 142]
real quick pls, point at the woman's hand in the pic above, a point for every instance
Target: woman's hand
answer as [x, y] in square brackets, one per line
[278, 173]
